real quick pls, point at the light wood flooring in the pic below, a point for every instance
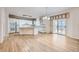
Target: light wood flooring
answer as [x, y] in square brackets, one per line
[40, 43]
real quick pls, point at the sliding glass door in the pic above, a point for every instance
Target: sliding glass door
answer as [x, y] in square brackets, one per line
[59, 26]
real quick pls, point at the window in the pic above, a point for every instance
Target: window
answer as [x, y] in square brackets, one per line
[25, 23]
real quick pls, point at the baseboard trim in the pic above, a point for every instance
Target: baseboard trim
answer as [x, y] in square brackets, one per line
[72, 37]
[4, 38]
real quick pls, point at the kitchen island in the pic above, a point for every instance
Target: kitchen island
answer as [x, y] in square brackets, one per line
[28, 30]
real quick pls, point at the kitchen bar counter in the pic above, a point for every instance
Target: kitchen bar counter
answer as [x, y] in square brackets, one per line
[28, 30]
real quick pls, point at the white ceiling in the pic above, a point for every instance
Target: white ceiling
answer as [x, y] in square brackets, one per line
[35, 11]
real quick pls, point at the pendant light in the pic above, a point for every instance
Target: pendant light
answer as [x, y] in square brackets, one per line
[47, 17]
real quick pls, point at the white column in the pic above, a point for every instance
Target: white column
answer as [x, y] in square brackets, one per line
[51, 25]
[47, 25]
[35, 26]
[3, 24]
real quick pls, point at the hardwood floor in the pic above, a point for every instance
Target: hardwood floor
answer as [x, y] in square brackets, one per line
[40, 43]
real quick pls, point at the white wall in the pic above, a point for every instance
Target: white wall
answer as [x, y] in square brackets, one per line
[3, 23]
[73, 23]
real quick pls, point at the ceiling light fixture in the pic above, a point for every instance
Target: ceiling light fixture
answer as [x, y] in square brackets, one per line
[46, 11]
